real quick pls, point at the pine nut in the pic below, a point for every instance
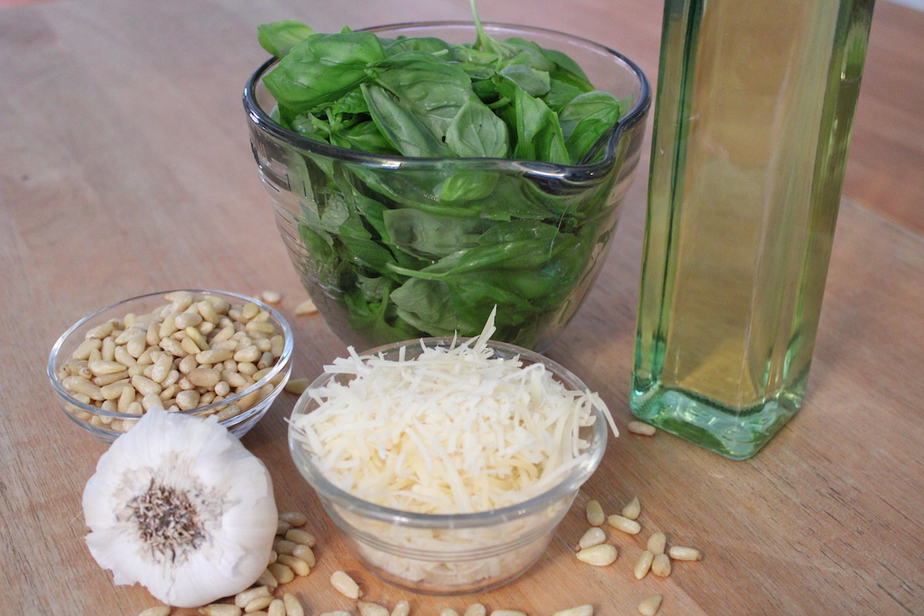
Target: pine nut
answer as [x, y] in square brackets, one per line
[113, 390]
[257, 604]
[222, 388]
[599, 555]
[220, 609]
[266, 578]
[282, 573]
[125, 398]
[248, 400]
[642, 565]
[306, 307]
[297, 386]
[264, 345]
[640, 428]
[151, 401]
[221, 305]
[188, 364]
[208, 312]
[188, 400]
[679, 552]
[135, 408]
[161, 368]
[76, 384]
[475, 609]
[305, 553]
[160, 610]
[181, 300]
[650, 606]
[213, 356]
[633, 509]
[276, 608]
[236, 380]
[282, 526]
[294, 518]
[235, 315]
[367, 608]
[207, 398]
[250, 353]
[273, 557]
[661, 565]
[271, 297]
[145, 386]
[657, 542]
[261, 327]
[102, 367]
[249, 311]
[227, 413]
[630, 527]
[109, 379]
[507, 613]
[336, 613]
[203, 377]
[123, 357]
[293, 606]
[594, 512]
[243, 598]
[297, 565]
[345, 585]
[580, 610]
[593, 536]
[266, 360]
[284, 546]
[100, 331]
[187, 319]
[246, 368]
[277, 345]
[83, 349]
[259, 374]
[447, 611]
[189, 346]
[403, 608]
[173, 347]
[301, 536]
[146, 357]
[108, 349]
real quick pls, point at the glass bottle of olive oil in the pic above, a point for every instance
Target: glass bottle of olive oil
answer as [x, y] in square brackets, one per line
[754, 107]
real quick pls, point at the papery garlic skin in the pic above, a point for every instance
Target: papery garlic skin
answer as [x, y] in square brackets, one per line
[221, 515]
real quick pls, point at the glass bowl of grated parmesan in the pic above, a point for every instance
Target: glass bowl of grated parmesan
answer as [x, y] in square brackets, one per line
[448, 463]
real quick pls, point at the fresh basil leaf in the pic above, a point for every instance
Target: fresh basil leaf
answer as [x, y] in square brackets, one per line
[428, 235]
[586, 118]
[567, 70]
[467, 185]
[403, 129]
[365, 137]
[560, 94]
[538, 132]
[278, 37]
[427, 44]
[323, 68]
[475, 132]
[535, 82]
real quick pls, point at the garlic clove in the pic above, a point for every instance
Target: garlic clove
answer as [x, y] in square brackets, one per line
[216, 497]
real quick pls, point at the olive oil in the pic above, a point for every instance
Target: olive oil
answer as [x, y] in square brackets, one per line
[755, 102]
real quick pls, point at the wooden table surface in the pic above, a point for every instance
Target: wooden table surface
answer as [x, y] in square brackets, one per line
[126, 168]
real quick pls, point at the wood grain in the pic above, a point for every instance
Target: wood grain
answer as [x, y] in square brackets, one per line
[127, 169]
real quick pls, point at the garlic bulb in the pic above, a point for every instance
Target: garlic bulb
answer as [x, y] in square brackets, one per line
[179, 505]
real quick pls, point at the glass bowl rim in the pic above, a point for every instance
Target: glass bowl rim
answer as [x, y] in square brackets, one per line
[279, 367]
[262, 121]
[572, 482]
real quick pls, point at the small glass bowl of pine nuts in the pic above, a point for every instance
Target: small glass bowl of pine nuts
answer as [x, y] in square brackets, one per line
[194, 351]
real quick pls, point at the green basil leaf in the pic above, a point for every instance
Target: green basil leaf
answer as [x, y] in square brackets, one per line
[475, 132]
[402, 128]
[538, 132]
[533, 81]
[279, 37]
[586, 118]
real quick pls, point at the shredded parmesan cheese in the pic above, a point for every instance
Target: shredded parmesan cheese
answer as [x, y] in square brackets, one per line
[454, 430]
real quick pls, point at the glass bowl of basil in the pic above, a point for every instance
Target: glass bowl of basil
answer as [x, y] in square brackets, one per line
[424, 173]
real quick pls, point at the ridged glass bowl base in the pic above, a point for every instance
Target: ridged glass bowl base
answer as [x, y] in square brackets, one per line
[734, 433]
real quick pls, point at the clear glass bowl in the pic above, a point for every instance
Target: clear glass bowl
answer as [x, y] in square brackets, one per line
[102, 423]
[450, 554]
[333, 206]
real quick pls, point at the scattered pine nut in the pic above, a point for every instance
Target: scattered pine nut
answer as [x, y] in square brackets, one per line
[276, 608]
[271, 297]
[403, 608]
[305, 553]
[335, 613]
[367, 608]
[284, 546]
[266, 578]
[297, 386]
[507, 613]
[593, 536]
[642, 565]
[296, 535]
[243, 598]
[594, 512]
[661, 565]
[649, 606]
[345, 585]
[633, 509]
[297, 565]
[282, 526]
[294, 518]
[657, 542]
[282, 573]
[293, 605]
[475, 609]
[306, 307]
[641, 428]
[448, 611]
[159, 610]
[258, 604]
[598, 555]
[679, 552]
[630, 527]
[580, 610]
[220, 609]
